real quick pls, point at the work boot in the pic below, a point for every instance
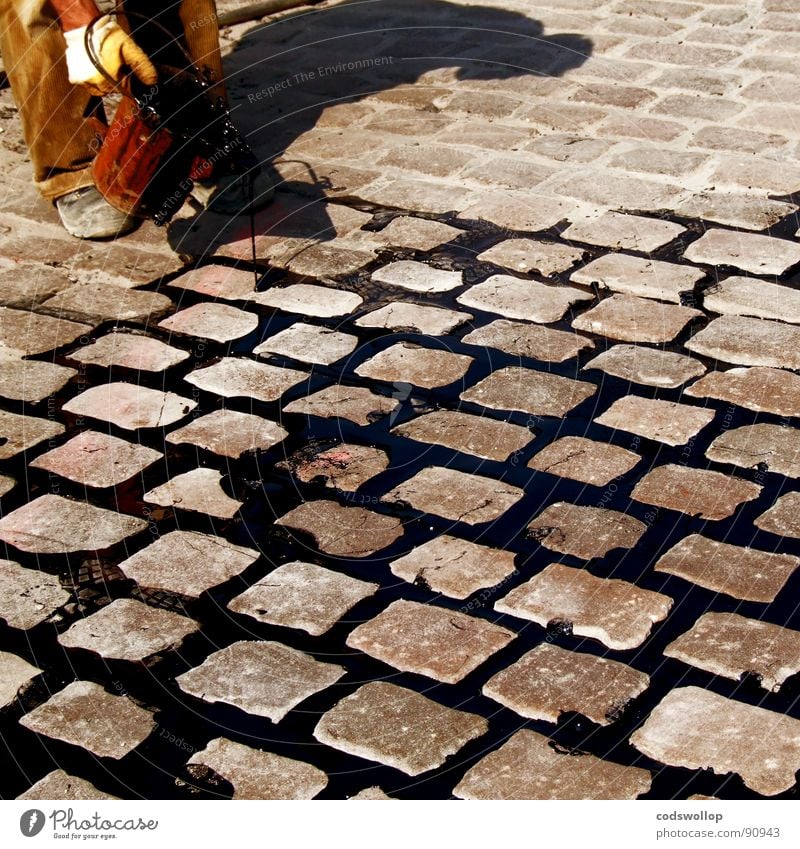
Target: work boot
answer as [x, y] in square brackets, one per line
[86, 214]
[231, 195]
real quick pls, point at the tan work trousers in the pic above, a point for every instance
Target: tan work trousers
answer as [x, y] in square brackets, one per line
[55, 114]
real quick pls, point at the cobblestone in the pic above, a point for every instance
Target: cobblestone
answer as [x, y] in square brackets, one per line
[761, 389]
[15, 673]
[414, 318]
[28, 596]
[584, 460]
[417, 277]
[355, 403]
[762, 446]
[18, 433]
[632, 319]
[199, 490]
[30, 380]
[759, 298]
[748, 251]
[527, 255]
[783, 518]
[59, 785]
[621, 232]
[662, 421]
[529, 340]
[649, 366]
[229, 433]
[130, 406]
[219, 322]
[236, 377]
[128, 350]
[406, 362]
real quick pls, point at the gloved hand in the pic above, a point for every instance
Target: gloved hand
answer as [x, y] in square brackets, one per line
[114, 49]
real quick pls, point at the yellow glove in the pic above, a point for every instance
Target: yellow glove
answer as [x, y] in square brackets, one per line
[114, 49]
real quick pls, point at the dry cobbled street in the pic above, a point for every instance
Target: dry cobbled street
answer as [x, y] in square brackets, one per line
[482, 483]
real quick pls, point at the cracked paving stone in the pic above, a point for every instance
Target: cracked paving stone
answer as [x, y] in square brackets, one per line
[229, 433]
[261, 678]
[478, 435]
[651, 367]
[783, 518]
[97, 459]
[405, 362]
[309, 300]
[662, 421]
[749, 342]
[757, 298]
[128, 630]
[30, 333]
[418, 233]
[343, 531]
[343, 466]
[454, 495]
[84, 714]
[98, 302]
[584, 460]
[187, 563]
[765, 447]
[129, 350]
[18, 433]
[130, 406]
[734, 646]
[585, 532]
[51, 524]
[747, 251]
[695, 492]
[236, 377]
[199, 490]
[529, 766]
[64, 787]
[397, 727]
[309, 343]
[218, 322]
[302, 595]
[6, 484]
[697, 729]
[624, 232]
[529, 391]
[529, 340]
[30, 380]
[15, 673]
[617, 613]
[414, 318]
[255, 774]
[417, 277]
[528, 300]
[743, 573]
[454, 567]
[527, 255]
[549, 681]
[633, 275]
[632, 319]
[442, 644]
[355, 403]
[218, 281]
[28, 596]
[761, 389]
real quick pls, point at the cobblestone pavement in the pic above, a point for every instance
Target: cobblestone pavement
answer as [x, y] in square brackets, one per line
[496, 466]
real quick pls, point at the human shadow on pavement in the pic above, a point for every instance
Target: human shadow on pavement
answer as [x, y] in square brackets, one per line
[284, 74]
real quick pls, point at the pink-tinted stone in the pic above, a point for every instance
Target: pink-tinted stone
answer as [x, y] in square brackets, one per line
[218, 281]
[187, 563]
[84, 714]
[309, 344]
[633, 275]
[309, 300]
[260, 775]
[783, 518]
[744, 573]
[771, 448]
[766, 390]
[199, 490]
[528, 300]
[302, 595]
[454, 567]
[649, 366]
[528, 255]
[529, 766]
[733, 646]
[697, 729]
[549, 681]
[417, 277]
[633, 319]
[130, 406]
[663, 421]
[615, 612]
[129, 350]
[355, 403]
[529, 340]
[343, 466]
[443, 644]
[584, 460]
[455, 495]
[343, 531]
[585, 532]
[530, 391]
[696, 492]
[18, 433]
[229, 433]
[236, 377]
[28, 596]
[97, 459]
[219, 322]
[408, 363]
[29, 333]
[261, 678]
[397, 727]
[51, 524]
[749, 341]
[414, 318]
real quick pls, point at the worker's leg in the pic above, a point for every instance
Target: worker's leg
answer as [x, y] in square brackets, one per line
[60, 140]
